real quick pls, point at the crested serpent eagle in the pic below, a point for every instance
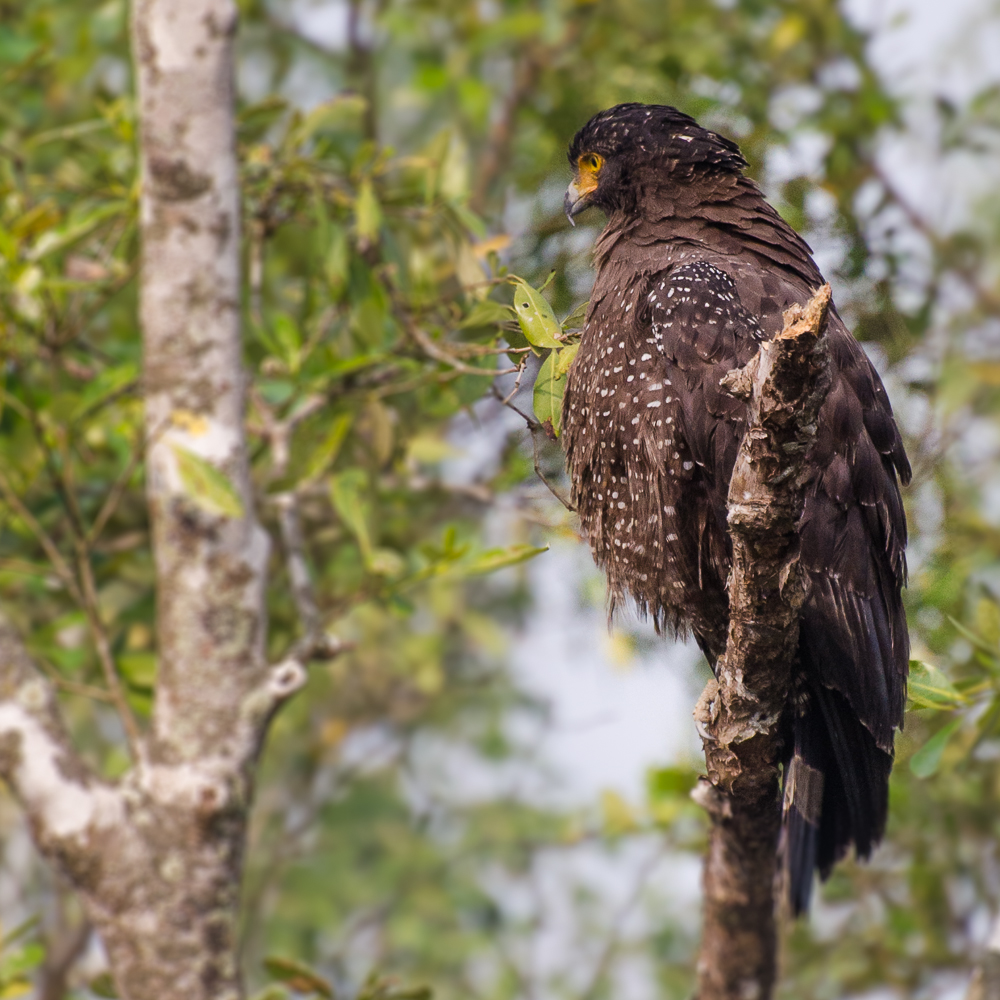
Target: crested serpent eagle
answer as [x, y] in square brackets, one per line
[694, 270]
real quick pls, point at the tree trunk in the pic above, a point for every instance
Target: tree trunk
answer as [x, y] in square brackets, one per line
[157, 858]
[739, 713]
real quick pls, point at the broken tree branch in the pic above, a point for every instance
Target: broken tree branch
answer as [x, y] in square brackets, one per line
[739, 713]
[68, 808]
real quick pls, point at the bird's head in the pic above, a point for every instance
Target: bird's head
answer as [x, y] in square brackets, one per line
[618, 150]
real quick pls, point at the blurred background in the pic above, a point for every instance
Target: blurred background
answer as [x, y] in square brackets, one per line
[487, 793]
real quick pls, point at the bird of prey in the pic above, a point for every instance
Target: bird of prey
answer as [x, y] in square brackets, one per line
[694, 270]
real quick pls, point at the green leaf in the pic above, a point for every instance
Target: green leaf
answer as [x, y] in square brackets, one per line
[534, 314]
[330, 115]
[564, 358]
[288, 339]
[670, 782]
[108, 383]
[327, 450]
[977, 640]
[138, 668]
[487, 313]
[272, 992]
[59, 239]
[926, 761]
[386, 562]
[367, 213]
[494, 559]
[103, 986]
[22, 929]
[929, 688]
[548, 396]
[347, 494]
[575, 320]
[209, 488]
[17, 964]
[299, 977]
[377, 987]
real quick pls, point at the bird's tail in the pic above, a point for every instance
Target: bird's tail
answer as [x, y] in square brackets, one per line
[836, 790]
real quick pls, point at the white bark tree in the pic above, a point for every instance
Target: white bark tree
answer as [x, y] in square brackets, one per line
[156, 857]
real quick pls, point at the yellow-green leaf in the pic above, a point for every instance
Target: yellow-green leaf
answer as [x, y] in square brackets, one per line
[103, 986]
[548, 396]
[575, 320]
[108, 383]
[347, 493]
[494, 559]
[328, 449]
[331, 115]
[299, 977]
[929, 688]
[564, 358]
[206, 485]
[367, 213]
[54, 240]
[926, 761]
[487, 313]
[619, 817]
[138, 668]
[538, 322]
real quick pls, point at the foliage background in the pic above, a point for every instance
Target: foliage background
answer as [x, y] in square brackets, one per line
[397, 155]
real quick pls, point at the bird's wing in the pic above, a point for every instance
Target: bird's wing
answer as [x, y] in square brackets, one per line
[853, 530]
[701, 332]
[853, 536]
[853, 642]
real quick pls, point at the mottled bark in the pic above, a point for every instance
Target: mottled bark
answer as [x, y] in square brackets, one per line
[157, 858]
[739, 713]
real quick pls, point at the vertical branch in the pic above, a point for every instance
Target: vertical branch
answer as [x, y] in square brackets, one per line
[210, 564]
[740, 713]
[361, 67]
[497, 151]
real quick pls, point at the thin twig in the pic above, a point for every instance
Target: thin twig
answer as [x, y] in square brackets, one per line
[517, 383]
[613, 943]
[501, 134]
[60, 957]
[43, 538]
[988, 300]
[432, 350]
[99, 634]
[73, 687]
[255, 277]
[117, 491]
[535, 431]
[290, 525]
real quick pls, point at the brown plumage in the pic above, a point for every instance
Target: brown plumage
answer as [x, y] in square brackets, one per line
[694, 269]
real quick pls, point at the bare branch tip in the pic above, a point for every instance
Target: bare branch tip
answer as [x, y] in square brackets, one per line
[286, 678]
[809, 318]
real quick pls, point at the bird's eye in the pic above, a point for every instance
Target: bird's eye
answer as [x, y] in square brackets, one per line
[591, 162]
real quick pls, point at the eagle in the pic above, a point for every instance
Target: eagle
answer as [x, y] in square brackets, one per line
[694, 270]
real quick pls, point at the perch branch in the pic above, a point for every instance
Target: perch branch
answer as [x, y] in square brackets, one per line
[739, 713]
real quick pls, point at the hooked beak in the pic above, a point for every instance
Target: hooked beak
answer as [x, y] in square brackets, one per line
[576, 201]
